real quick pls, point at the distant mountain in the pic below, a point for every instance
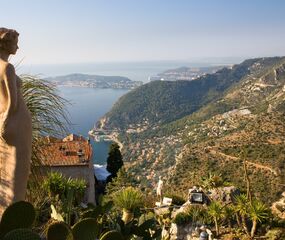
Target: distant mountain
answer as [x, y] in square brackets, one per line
[185, 129]
[94, 81]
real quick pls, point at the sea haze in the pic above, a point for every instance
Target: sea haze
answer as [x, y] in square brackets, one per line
[136, 71]
[87, 106]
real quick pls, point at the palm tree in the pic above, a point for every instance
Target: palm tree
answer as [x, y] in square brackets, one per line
[258, 212]
[241, 207]
[216, 212]
[49, 117]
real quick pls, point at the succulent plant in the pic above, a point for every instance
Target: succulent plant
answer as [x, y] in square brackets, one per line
[59, 231]
[22, 234]
[18, 215]
[112, 235]
[86, 229]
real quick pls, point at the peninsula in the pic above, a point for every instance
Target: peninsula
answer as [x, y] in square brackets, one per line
[94, 81]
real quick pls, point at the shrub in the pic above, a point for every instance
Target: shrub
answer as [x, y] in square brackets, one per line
[182, 218]
[176, 199]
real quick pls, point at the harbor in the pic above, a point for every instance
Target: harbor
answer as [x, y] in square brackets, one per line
[102, 135]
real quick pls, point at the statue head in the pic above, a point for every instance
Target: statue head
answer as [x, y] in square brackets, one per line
[8, 40]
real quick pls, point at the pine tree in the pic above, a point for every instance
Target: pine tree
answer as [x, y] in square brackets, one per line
[114, 160]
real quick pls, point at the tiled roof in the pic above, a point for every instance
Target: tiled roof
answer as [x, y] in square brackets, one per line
[67, 153]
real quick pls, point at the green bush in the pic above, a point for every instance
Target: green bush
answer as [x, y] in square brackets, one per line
[176, 199]
[182, 218]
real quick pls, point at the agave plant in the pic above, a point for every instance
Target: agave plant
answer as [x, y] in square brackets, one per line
[128, 199]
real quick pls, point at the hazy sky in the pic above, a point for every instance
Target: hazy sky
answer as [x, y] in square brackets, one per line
[58, 31]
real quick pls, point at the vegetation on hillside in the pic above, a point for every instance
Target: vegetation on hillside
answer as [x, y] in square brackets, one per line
[164, 102]
[240, 117]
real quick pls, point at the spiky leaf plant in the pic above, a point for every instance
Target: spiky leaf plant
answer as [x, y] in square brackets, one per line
[216, 212]
[258, 212]
[128, 198]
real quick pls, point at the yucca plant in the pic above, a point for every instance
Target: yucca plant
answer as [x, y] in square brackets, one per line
[128, 199]
[258, 212]
[241, 207]
[198, 214]
[229, 212]
[216, 212]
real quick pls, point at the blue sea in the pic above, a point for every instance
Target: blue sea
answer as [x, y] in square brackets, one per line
[87, 106]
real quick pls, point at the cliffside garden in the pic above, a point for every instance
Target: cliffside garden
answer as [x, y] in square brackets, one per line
[127, 210]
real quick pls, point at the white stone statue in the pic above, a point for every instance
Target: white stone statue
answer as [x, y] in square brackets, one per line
[15, 127]
[159, 189]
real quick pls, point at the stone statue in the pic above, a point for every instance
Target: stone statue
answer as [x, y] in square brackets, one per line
[159, 189]
[15, 127]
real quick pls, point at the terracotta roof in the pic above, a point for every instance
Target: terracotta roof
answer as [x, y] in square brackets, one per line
[67, 153]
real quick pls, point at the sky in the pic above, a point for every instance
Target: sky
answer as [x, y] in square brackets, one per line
[84, 31]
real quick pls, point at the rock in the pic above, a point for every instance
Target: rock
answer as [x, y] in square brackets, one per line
[224, 194]
[278, 207]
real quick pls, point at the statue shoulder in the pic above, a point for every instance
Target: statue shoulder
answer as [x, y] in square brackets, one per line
[7, 68]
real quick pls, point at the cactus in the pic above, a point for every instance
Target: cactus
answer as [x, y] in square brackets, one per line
[143, 229]
[18, 215]
[22, 234]
[86, 229]
[93, 213]
[111, 235]
[59, 231]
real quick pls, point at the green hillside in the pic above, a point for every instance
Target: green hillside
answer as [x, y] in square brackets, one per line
[238, 116]
[163, 101]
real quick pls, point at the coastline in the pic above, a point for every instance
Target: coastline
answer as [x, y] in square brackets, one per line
[112, 136]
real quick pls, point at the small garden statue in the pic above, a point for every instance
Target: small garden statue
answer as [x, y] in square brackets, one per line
[159, 189]
[15, 126]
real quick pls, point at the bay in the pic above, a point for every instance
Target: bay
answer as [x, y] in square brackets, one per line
[87, 106]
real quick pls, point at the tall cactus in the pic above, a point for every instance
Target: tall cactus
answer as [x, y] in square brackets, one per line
[21, 234]
[18, 215]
